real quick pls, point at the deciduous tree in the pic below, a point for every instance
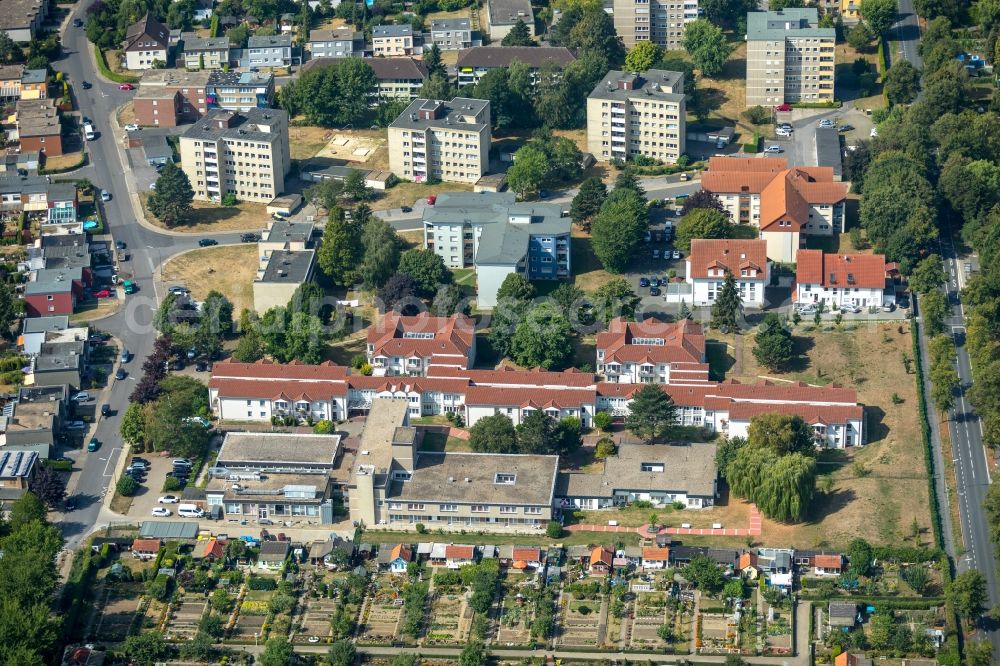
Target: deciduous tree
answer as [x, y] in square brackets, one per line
[879, 15]
[968, 594]
[49, 486]
[707, 46]
[618, 229]
[707, 222]
[615, 298]
[426, 268]
[902, 82]
[493, 434]
[781, 433]
[543, 338]
[643, 56]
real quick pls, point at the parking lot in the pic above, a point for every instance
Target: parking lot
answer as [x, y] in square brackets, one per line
[150, 490]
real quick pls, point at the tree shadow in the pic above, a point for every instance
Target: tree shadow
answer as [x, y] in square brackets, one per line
[735, 68]
[830, 503]
[719, 360]
[801, 346]
[875, 423]
[709, 100]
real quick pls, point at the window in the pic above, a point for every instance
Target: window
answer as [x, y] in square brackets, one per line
[449, 507]
[415, 507]
[479, 508]
[508, 509]
[533, 510]
[504, 479]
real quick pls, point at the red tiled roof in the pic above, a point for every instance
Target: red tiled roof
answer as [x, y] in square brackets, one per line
[789, 195]
[683, 341]
[728, 254]
[277, 389]
[453, 336]
[814, 267]
[401, 551]
[400, 384]
[507, 376]
[271, 370]
[810, 413]
[460, 552]
[527, 554]
[732, 175]
[539, 398]
[828, 561]
[786, 391]
[748, 560]
[654, 554]
[601, 555]
[146, 545]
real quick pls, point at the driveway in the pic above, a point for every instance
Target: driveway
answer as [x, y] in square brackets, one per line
[143, 175]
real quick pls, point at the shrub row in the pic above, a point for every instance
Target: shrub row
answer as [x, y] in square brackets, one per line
[102, 65]
[925, 434]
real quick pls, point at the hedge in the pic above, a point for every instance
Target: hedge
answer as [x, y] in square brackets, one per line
[69, 167]
[925, 434]
[835, 104]
[76, 599]
[102, 65]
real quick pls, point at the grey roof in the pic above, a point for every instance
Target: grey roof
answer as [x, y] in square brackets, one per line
[11, 182]
[274, 551]
[156, 146]
[42, 324]
[336, 35]
[59, 356]
[502, 242]
[221, 79]
[61, 191]
[470, 478]
[241, 449]
[507, 12]
[163, 529]
[502, 56]
[384, 418]
[289, 232]
[453, 114]
[843, 609]
[269, 41]
[828, 150]
[689, 469]
[18, 14]
[53, 280]
[193, 42]
[34, 76]
[392, 31]
[386, 69]
[16, 464]
[450, 24]
[245, 125]
[63, 256]
[789, 22]
[289, 266]
[653, 83]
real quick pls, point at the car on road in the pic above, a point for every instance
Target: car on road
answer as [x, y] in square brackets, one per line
[69, 504]
[120, 374]
[249, 238]
[826, 122]
[130, 287]
[676, 254]
[684, 176]
[77, 23]
[161, 512]
[405, 209]
[86, 85]
[643, 282]
[654, 291]
[207, 242]
[132, 127]
[120, 245]
[168, 499]
[772, 150]
[82, 396]
[845, 128]
[101, 293]
[105, 196]
[93, 444]
[432, 199]
[126, 356]
[126, 86]
[782, 132]
[105, 411]
[850, 308]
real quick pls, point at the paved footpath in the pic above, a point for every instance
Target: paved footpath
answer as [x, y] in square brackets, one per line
[754, 528]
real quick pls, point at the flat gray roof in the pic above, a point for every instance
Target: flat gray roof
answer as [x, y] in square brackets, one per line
[828, 150]
[651, 83]
[789, 22]
[41, 324]
[222, 79]
[471, 478]
[689, 469]
[392, 31]
[16, 464]
[34, 76]
[56, 356]
[156, 146]
[507, 12]
[162, 529]
[50, 280]
[384, 417]
[451, 115]
[245, 125]
[289, 266]
[243, 448]
[289, 232]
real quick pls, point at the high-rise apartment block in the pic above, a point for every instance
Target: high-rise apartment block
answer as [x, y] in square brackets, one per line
[245, 154]
[658, 21]
[632, 114]
[789, 58]
[449, 141]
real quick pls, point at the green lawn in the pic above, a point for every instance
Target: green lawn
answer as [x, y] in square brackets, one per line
[464, 277]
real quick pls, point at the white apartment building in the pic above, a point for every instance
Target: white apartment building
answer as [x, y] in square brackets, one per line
[409, 345]
[659, 21]
[631, 114]
[789, 57]
[710, 260]
[448, 141]
[841, 279]
[245, 154]
[392, 40]
[652, 351]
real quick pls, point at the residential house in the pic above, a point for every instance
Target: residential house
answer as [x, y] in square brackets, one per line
[332, 554]
[842, 614]
[270, 51]
[204, 52]
[579, 554]
[34, 419]
[284, 235]
[828, 565]
[145, 549]
[35, 84]
[473, 64]
[652, 351]
[336, 43]
[451, 34]
[273, 554]
[258, 391]
[655, 558]
[280, 274]
[680, 555]
[528, 556]
[392, 40]
[40, 199]
[409, 345]
[498, 236]
[836, 280]
[601, 560]
[38, 127]
[59, 363]
[36, 330]
[157, 150]
[726, 558]
[22, 20]
[395, 559]
[147, 41]
[659, 21]
[631, 114]
[711, 260]
[53, 292]
[789, 57]
[848, 659]
[502, 15]
[428, 130]
[239, 91]
[10, 82]
[458, 556]
[17, 469]
[747, 565]
[850, 11]
[437, 555]
[212, 550]
[398, 78]
[170, 97]
[629, 556]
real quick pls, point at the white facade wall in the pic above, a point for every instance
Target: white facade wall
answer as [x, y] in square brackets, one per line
[834, 436]
[262, 409]
[839, 296]
[488, 282]
[143, 59]
[704, 290]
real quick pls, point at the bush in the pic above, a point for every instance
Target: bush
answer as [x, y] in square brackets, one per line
[421, 529]
[229, 199]
[603, 421]
[605, 448]
[323, 427]
[172, 484]
[127, 486]
[757, 115]
[553, 530]
[258, 583]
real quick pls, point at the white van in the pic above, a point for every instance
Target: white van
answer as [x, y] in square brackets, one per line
[88, 132]
[189, 511]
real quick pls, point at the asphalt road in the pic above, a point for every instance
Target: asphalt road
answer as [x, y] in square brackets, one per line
[908, 33]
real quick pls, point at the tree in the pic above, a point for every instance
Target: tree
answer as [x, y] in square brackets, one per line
[615, 298]
[126, 486]
[553, 530]
[860, 557]
[515, 287]
[513, 300]
[781, 433]
[651, 413]
[493, 434]
[787, 489]
[757, 115]
[381, 255]
[928, 275]
[25, 509]
[277, 652]
[774, 347]
[643, 56]
[588, 200]
[543, 338]
[355, 188]
[9, 307]
[133, 425]
[332, 95]
[473, 654]
[432, 60]
[49, 486]
[726, 452]
[171, 201]
[934, 308]
[449, 300]
[341, 653]
[880, 15]
[707, 46]
[145, 648]
[399, 293]
[518, 35]
[979, 653]
[728, 306]
[202, 646]
[426, 268]
[605, 447]
[341, 250]
[733, 589]
[902, 82]
[618, 229]
[968, 594]
[702, 223]
[628, 179]
[437, 86]
[860, 38]
[705, 574]
[537, 434]
[728, 12]
[10, 52]
[529, 170]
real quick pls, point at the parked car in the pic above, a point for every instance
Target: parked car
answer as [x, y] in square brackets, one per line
[808, 310]
[783, 107]
[888, 307]
[782, 132]
[827, 122]
[658, 237]
[120, 374]
[105, 411]
[201, 366]
[126, 356]
[105, 196]
[86, 85]
[101, 293]
[139, 464]
[208, 242]
[845, 128]
[786, 126]
[132, 127]
[76, 425]
[82, 396]
[432, 199]
[249, 238]
[177, 290]
[773, 150]
[643, 282]
[126, 86]
[120, 245]
[654, 291]
[850, 308]
[676, 254]
[654, 281]
[648, 237]
[656, 254]
[77, 23]
[168, 499]
[543, 194]
[161, 512]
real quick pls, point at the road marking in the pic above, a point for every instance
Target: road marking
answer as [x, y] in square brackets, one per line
[108, 464]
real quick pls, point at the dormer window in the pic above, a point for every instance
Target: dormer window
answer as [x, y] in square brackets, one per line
[651, 467]
[504, 479]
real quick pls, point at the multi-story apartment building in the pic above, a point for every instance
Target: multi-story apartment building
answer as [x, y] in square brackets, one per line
[269, 51]
[652, 351]
[23, 19]
[239, 91]
[789, 57]
[498, 236]
[409, 345]
[474, 63]
[659, 21]
[336, 43]
[451, 34]
[502, 15]
[170, 97]
[786, 204]
[146, 41]
[205, 52]
[243, 154]
[392, 40]
[449, 141]
[710, 260]
[395, 78]
[842, 279]
[632, 114]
